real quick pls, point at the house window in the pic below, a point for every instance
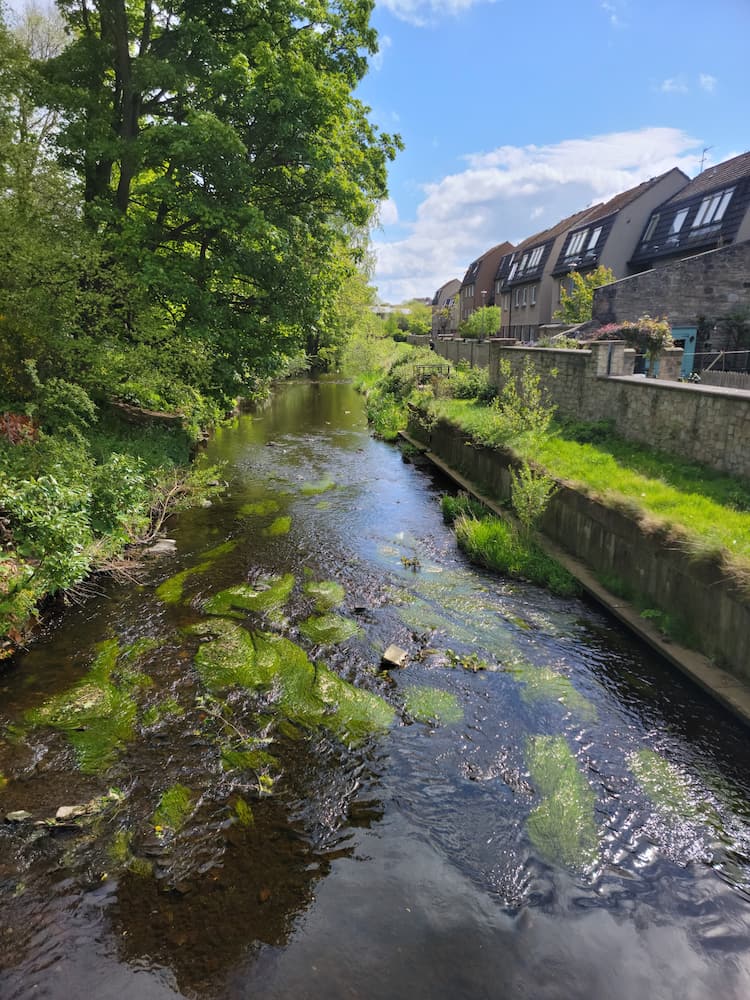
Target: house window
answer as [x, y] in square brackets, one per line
[678, 221]
[576, 242]
[524, 262]
[712, 208]
[513, 270]
[536, 256]
[653, 223]
[523, 299]
[594, 238]
[532, 295]
[517, 298]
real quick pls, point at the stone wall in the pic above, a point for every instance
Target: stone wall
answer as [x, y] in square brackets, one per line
[710, 285]
[707, 424]
[615, 545]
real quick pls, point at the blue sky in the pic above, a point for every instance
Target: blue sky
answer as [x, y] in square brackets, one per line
[516, 114]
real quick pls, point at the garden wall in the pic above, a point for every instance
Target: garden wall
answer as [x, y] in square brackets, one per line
[707, 424]
[614, 545]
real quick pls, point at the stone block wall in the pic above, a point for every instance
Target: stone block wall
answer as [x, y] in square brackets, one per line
[711, 284]
[707, 424]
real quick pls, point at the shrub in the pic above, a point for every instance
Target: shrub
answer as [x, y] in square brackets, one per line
[468, 383]
[530, 495]
[460, 505]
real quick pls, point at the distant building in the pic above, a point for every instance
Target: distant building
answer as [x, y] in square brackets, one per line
[478, 286]
[445, 309]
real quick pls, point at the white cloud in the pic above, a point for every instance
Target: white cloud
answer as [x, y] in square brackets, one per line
[384, 43]
[674, 85]
[388, 212]
[424, 12]
[495, 197]
[707, 82]
[611, 10]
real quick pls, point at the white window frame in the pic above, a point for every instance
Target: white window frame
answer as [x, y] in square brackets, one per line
[532, 295]
[517, 298]
[653, 222]
[594, 238]
[523, 297]
[712, 208]
[678, 222]
[536, 256]
[576, 242]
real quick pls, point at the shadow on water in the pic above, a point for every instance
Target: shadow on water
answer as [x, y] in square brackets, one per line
[535, 806]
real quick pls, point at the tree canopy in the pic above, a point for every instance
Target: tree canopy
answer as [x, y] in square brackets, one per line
[577, 302]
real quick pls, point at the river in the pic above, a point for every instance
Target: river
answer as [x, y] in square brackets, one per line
[536, 806]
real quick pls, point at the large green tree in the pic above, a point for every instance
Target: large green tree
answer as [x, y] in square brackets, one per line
[223, 161]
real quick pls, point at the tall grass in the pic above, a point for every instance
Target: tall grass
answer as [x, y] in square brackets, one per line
[497, 545]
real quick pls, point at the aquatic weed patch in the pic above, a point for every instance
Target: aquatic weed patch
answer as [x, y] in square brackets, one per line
[316, 488]
[171, 591]
[544, 684]
[562, 827]
[96, 715]
[432, 705]
[259, 508]
[667, 788]
[326, 594]
[175, 806]
[279, 526]
[305, 694]
[329, 629]
[267, 596]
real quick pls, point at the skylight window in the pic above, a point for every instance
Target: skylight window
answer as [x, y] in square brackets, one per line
[594, 238]
[651, 228]
[712, 208]
[576, 242]
[678, 221]
[536, 256]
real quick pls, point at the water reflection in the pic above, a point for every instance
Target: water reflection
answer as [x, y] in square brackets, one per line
[444, 857]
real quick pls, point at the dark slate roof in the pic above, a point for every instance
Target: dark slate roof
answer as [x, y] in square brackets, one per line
[600, 217]
[442, 292]
[544, 239]
[473, 270]
[690, 239]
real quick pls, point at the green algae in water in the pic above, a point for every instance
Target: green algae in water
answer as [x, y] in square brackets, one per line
[220, 550]
[174, 807]
[326, 594]
[432, 705]
[562, 827]
[543, 684]
[243, 813]
[323, 505]
[170, 592]
[280, 526]
[272, 596]
[305, 695]
[259, 508]
[329, 629]
[247, 760]
[663, 783]
[131, 654]
[161, 710]
[96, 716]
[314, 489]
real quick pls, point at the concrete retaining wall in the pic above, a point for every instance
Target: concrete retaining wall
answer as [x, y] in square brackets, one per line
[613, 544]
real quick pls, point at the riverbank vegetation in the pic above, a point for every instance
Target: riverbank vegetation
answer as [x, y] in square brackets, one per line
[706, 512]
[183, 193]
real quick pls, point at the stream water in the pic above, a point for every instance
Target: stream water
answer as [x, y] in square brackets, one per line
[536, 806]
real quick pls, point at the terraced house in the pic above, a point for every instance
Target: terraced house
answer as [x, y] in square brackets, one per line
[712, 211]
[478, 286]
[445, 309]
[523, 286]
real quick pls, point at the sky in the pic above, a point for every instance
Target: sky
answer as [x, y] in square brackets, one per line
[517, 113]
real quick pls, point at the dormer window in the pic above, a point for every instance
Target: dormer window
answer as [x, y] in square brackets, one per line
[513, 269]
[535, 256]
[678, 221]
[576, 242]
[594, 238]
[650, 229]
[712, 208]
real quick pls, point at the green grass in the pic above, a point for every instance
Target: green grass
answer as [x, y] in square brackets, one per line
[497, 545]
[710, 510]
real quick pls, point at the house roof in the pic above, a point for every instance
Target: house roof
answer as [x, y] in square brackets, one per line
[445, 292]
[602, 217]
[691, 221]
[713, 178]
[474, 268]
[545, 239]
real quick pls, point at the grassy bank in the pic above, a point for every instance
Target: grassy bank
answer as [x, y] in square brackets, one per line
[73, 496]
[709, 512]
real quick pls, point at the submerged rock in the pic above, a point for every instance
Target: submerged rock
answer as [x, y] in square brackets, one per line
[19, 816]
[394, 656]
